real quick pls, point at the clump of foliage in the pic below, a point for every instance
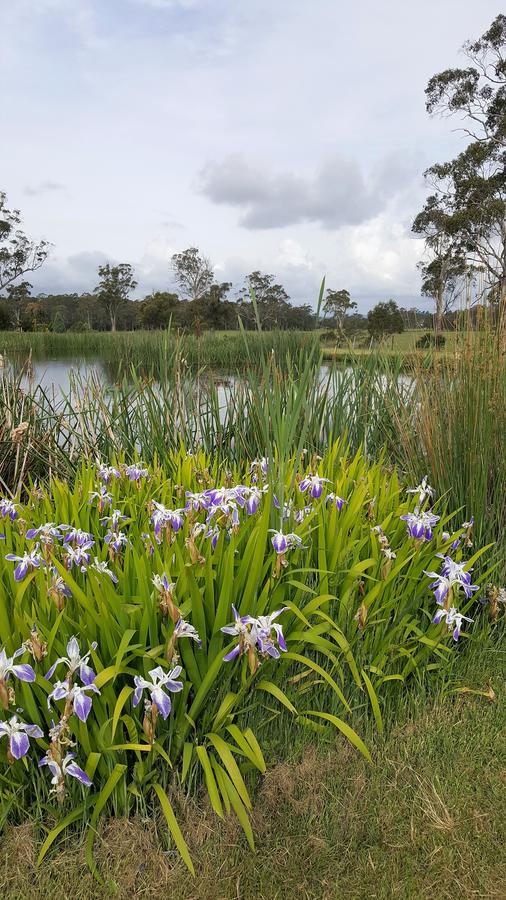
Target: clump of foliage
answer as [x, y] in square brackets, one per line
[153, 620]
[436, 341]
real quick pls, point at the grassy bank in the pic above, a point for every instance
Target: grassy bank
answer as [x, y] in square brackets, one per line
[427, 821]
[156, 353]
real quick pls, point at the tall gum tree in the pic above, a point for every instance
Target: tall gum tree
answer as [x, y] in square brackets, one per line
[18, 254]
[464, 219]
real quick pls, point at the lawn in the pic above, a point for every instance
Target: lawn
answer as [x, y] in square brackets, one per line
[396, 344]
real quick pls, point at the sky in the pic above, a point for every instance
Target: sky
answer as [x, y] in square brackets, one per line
[282, 135]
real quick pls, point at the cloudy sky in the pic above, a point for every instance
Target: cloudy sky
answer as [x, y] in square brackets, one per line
[284, 135]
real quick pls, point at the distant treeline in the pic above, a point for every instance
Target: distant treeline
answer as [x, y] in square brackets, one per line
[85, 312]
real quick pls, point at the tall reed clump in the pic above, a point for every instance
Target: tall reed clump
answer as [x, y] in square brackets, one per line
[153, 622]
[455, 430]
[274, 401]
[152, 353]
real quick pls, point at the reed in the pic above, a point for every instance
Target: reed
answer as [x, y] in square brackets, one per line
[153, 353]
[444, 416]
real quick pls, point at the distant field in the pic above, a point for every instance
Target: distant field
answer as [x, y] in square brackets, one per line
[397, 343]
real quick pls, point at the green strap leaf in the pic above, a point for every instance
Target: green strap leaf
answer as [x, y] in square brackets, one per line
[187, 758]
[237, 806]
[120, 702]
[256, 757]
[374, 702]
[277, 693]
[174, 827]
[225, 753]
[346, 730]
[53, 834]
[212, 787]
[317, 668]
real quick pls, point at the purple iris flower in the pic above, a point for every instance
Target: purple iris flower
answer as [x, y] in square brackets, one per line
[184, 629]
[160, 683]
[197, 501]
[259, 465]
[18, 734]
[301, 514]
[227, 508]
[81, 703]
[47, 533]
[23, 671]
[116, 540]
[287, 508]
[114, 520]
[135, 472]
[8, 509]
[103, 496]
[261, 634]
[77, 556]
[283, 542]
[423, 490]
[420, 524]
[162, 517]
[77, 536]
[263, 627]
[219, 495]
[213, 533]
[68, 767]
[252, 497]
[74, 661]
[105, 473]
[58, 586]
[26, 563]
[103, 569]
[315, 483]
[336, 500]
[453, 619]
[279, 541]
[162, 583]
[239, 629]
[452, 573]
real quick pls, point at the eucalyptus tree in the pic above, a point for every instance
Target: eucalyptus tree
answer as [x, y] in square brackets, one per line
[338, 304]
[18, 254]
[194, 273]
[272, 301]
[114, 288]
[464, 219]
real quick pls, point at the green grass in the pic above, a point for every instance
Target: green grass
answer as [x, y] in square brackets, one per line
[427, 821]
[397, 345]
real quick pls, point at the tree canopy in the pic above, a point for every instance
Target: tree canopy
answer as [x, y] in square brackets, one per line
[18, 254]
[385, 318]
[464, 219]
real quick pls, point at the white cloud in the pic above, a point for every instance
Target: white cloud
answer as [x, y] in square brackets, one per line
[337, 194]
[306, 122]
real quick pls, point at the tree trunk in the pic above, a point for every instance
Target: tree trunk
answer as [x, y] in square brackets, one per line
[501, 317]
[113, 320]
[439, 298]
